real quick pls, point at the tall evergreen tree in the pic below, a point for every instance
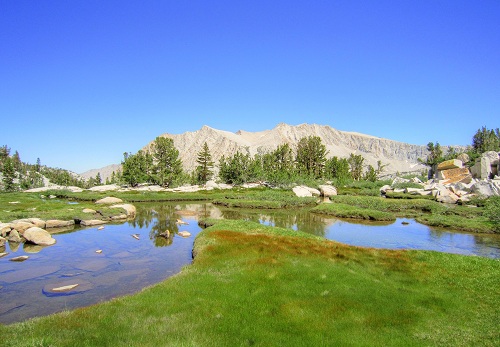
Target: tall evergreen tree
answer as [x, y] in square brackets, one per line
[137, 168]
[311, 156]
[205, 166]
[338, 169]
[167, 165]
[356, 165]
[8, 175]
[278, 165]
[98, 179]
[370, 174]
[236, 169]
[486, 140]
[4, 154]
[16, 161]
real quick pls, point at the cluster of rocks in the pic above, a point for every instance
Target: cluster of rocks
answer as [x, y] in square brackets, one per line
[210, 185]
[36, 230]
[325, 190]
[30, 230]
[455, 183]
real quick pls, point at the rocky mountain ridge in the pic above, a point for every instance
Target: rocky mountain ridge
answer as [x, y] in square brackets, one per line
[398, 156]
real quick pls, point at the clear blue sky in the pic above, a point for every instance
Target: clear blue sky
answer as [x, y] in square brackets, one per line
[81, 82]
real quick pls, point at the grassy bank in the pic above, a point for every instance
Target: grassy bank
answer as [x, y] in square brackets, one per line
[266, 199]
[255, 285]
[26, 205]
[22, 205]
[340, 210]
[432, 213]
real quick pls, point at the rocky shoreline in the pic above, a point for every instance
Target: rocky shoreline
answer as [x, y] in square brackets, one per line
[39, 232]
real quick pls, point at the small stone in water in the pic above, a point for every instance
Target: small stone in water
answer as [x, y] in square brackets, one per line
[64, 288]
[20, 258]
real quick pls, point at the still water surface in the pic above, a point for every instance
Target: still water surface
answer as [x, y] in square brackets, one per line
[126, 265]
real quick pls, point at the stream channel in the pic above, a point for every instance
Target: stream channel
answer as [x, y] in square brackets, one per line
[127, 264]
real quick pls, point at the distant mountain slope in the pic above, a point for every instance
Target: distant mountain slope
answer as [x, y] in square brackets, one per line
[104, 172]
[400, 157]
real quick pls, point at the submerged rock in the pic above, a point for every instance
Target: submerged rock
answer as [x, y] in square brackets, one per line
[184, 233]
[20, 258]
[68, 287]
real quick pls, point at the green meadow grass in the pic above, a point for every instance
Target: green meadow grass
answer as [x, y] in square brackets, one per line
[432, 213]
[30, 205]
[252, 285]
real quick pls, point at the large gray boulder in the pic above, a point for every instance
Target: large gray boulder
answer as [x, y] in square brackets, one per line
[313, 191]
[450, 164]
[91, 222]
[105, 188]
[482, 168]
[492, 156]
[130, 209]
[21, 226]
[39, 236]
[14, 236]
[397, 180]
[463, 157]
[301, 192]
[109, 200]
[327, 190]
[486, 188]
[56, 223]
[385, 188]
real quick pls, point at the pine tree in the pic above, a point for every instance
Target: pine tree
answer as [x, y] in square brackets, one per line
[137, 168]
[370, 174]
[4, 154]
[356, 166]
[167, 165]
[338, 169]
[98, 179]
[8, 175]
[311, 156]
[16, 161]
[204, 169]
[486, 140]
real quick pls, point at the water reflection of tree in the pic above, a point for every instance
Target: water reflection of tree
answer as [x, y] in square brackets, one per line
[311, 223]
[144, 216]
[166, 220]
[302, 219]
